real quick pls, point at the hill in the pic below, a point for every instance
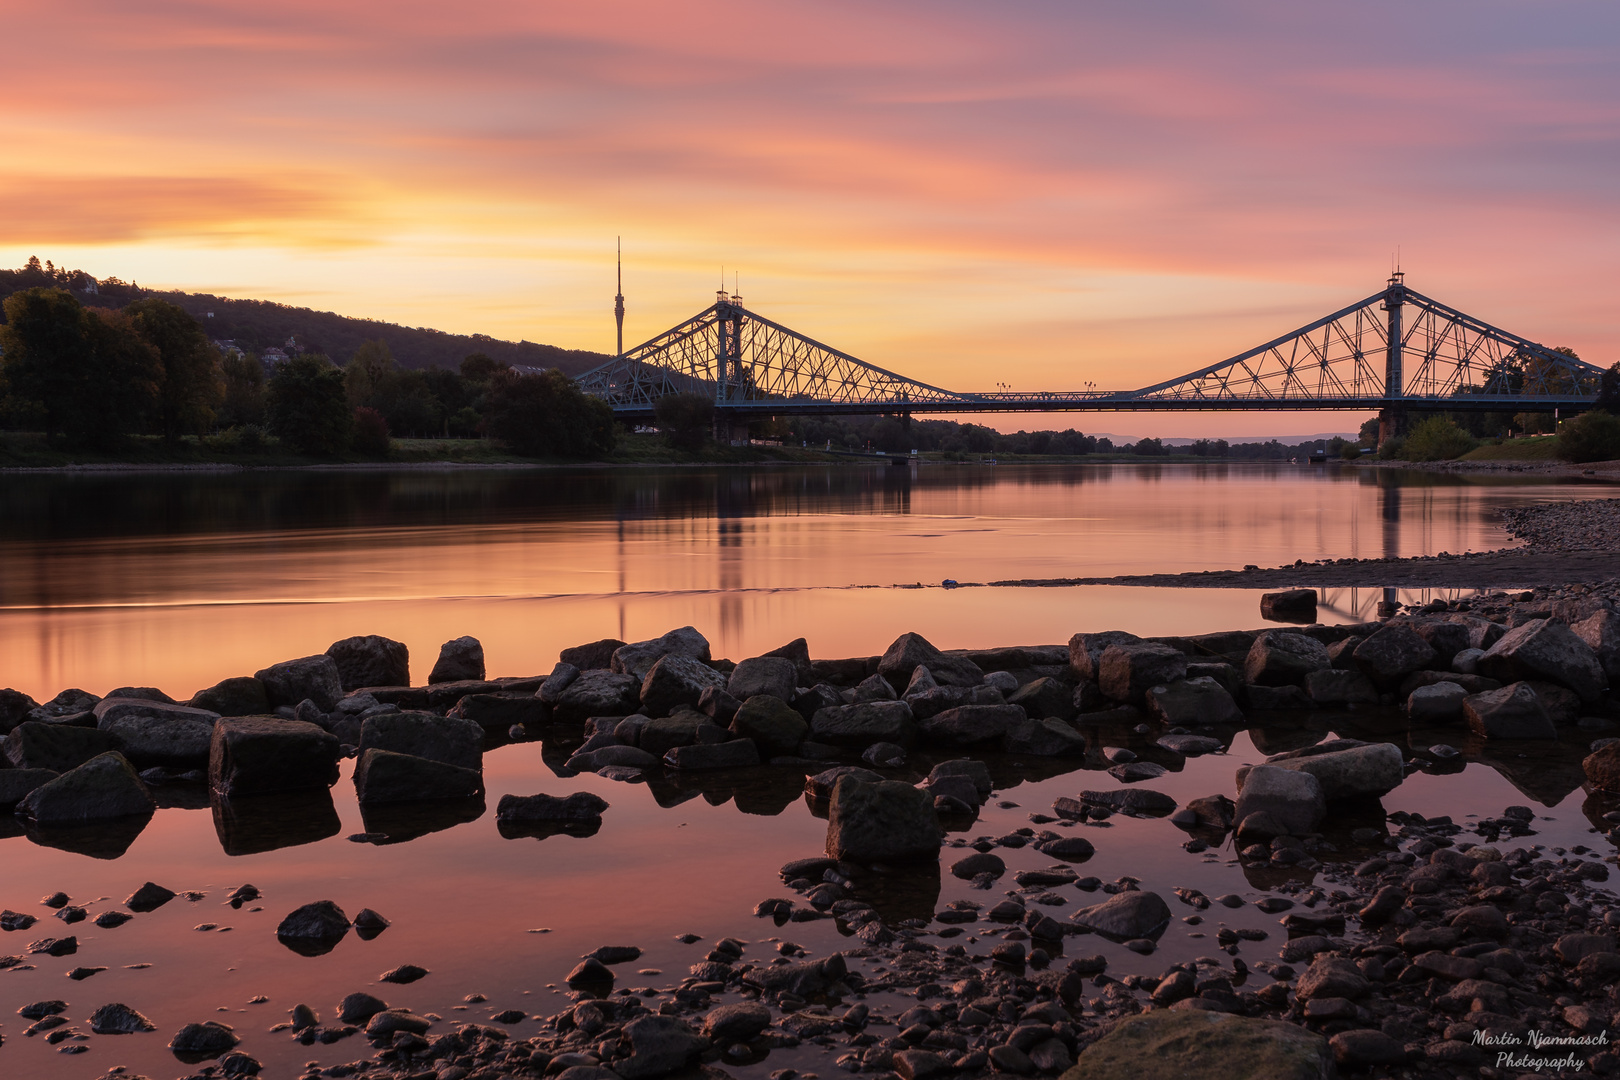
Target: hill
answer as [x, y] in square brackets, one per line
[257, 325]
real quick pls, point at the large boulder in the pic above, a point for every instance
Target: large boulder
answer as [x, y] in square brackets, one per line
[1045, 697]
[1046, 737]
[1602, 768]
[659, 1045]
[1086, 649]
[65, 707]
[371, 660]
[1601, 632]
[314, 678]
[1345, 769]
[1513, 712]
[676, 680]
[597, 693]
[911, 650]
[14, 709]
[775, 726]
[582, 808]
[735, 754]
[1289, 605]
[15, 784]
[382, 776]
[1336, 687]
[589, 657]
[1199, 1044]
[859, 726]
[57, 747]
[883, 822]
[1332, 977]
[968, 725]
[1546, 649]
[1127, 916]
[240, 696]
[101, 789]
[1279, 658]
[1392, 653]
[1446, 638]
[152, 733]
[1127, 671]
[773, 675]
[930, 700]
[262, 755]
[1196, 702]
[976, 773]
[500, 709]
[638, 658]
[314, 929]
[1293, 798]
[658, 737]
[460, 659]
[561, 678]
[1437, 703]
[798, 651]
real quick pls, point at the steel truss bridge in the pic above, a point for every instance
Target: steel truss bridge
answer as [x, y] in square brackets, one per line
[1395, 351]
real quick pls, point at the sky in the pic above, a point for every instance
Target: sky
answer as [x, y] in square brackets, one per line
[1044, 194]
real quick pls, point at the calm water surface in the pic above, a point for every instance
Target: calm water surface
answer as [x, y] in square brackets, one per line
[180, 581]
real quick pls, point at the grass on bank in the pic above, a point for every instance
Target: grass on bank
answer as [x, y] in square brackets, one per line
[1539, 448]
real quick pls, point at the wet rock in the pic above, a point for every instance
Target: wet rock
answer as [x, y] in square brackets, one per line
[1333, 688]
[858, 726]
[979, 863]
[403, 975]
[1214, 811]
[152, 733]
[1133, 801]
[240, 696]
[56, 747]
[561, 678]
[1292, 797]
[260, 755]
[820, 786]
[969, 725]
[102, 789]
[658, 1045]
[1193, 702]
[1126, 916]
[1045, 697]
[292, 681]
[874, 688]
[1546, 649]
[1513, 712]
[675, 680]
[382, 776]
[371, 660]
[1278, 658]
[1332, 977]
[460, 659]
[199, 1042]
[797, 651]
[720, 706]
[1345, 768]
[1085, 650]
[451, 740]
[775, 676]
[1366, 1049]
[1438, 703]
[736, 1023]
[1602, 768]
[14, 708]
[773, 725]
[736, 754]
[314, 929]
[975, 772]
[40, 1009]
[386, 1024]
[110, 920]
[1045, 737]
[1127, 671]
[597, 693]
[359, 1008]
[368, 924]
[884, 755]
[1190, 745]
[883, 822]
[1276, 698]
[581, 807]
[149, 897]
[909, 651]
[15, 784]
[119, 1019]
[499, 710]
[637, 659]
[920, 1065]
[68, 706]
[613, 757]
[1292, 605]
[1601, 633]
[594, 656]
[1392, 653]
[1134, 772]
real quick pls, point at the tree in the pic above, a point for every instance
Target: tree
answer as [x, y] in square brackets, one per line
[371, 363]
[547, 415]
[1593, 436]
[1437, 439]
[1609, 390]
[244, 390]
[479, 367]
[371, 433]
[685, 420]
[307, 406]
[1368, 434]
[191, 387]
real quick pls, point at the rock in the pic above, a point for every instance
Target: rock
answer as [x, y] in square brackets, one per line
[1573, 948]
[736, 754]
[403, 975]
[1466, 662]
[1293, 798]
[241, 696]
[56, 747]
[1437, 703]
[658, 1045]
[675, 680]
[261, 755]
[1278, 658]
[580, 807]
[450, 740]
[562, 676]
[773, 726]
[152, 733]
[371, 661]
[613, 757]
[1085, 650]
[149, 897]
[969, 725]
[720, 706]
[1481, 920]
[1446, 638]
[460, 659]
[1601, 632]
[883, 822]
[313, 929]
[798, 651]
[858, 726]
[977, 773]
[874, 688]
[1332, 687]
[118, 1019]
[1346, 769]
[383, 776]
[662, 735]
[597, 693]
[1194, 702]
[1602, 768]
[979, 863]
[369, 924]
[1332, 977]
[1289, 605]
[1214, 811]
[902, 658]
[15, 784]
[1132, 801]
[500, 710]
[773, 675]
[739, 1023]
[637, 659]
[1067, 848]
[932, 702]
[14, 709]
[920, 1065]
[1190, 745]
[1546, 649]
[203, 1041]
[384, 1025]
[1045, 697]
[884, 755]
[820, 786]
[1392, 653]
[1276, 698]
[103, 788]
[1127, 671]
[1365, 1049]
[1047, 737]
[67, 704]
[360, 1007]
[598, 655]
[1513, 712]
[1126, 916]
[1134, 772]
[312, 677]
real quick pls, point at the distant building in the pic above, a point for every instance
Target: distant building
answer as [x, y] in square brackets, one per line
[272, 358]
[228, 346]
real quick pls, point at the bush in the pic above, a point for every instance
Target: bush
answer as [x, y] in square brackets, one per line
[1438, 439]
[1393, 450]
[1593, 436]
[685, 419]
[1350, 451]
[246, 439]
[547, 415]
[307, 406]
[371, 433]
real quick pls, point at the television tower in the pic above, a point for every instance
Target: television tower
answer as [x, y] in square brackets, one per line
[618, 300]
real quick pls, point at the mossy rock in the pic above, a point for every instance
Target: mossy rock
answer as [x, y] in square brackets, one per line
[1191, 1044]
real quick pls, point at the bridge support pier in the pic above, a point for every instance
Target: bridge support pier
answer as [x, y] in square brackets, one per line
[1391, 424]
[728, 431]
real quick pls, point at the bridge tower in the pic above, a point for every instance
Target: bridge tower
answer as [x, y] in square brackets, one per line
[728, 374]
[1391, 418]
[618, 301]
